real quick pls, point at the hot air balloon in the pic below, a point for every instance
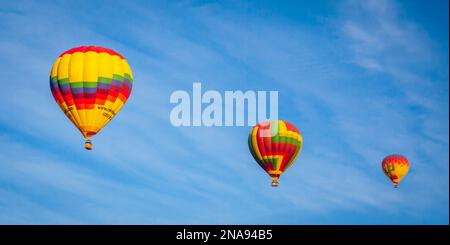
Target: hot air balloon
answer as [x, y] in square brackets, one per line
[395, 167]
[90, 85]
[275, 145]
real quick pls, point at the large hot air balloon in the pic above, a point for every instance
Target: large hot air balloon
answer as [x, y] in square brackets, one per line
[90, 85]
[275, 145]
[395, 167]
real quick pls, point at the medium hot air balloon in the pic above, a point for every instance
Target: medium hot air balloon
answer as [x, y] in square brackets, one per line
[275, 145]
[395, 167]
[90, 85]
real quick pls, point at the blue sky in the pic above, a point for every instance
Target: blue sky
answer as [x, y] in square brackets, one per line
[360, 79]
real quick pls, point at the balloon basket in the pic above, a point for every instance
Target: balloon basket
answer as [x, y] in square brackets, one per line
[274, 183]
[88, 145]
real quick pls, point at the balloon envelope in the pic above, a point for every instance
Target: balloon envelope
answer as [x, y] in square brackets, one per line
[275, 145]
[395, 167]
[90, 85]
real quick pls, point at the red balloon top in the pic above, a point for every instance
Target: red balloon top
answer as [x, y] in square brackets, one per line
[85, 49]
[396, 158]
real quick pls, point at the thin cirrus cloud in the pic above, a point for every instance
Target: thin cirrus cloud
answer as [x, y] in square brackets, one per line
[351, 81]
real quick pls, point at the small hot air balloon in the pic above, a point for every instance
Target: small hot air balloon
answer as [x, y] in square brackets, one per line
[395, 167]
[90, 85]
[275, 145]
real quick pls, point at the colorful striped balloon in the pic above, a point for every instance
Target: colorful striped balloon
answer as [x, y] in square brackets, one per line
[395, 167]
[90, 85]
[275, 146]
